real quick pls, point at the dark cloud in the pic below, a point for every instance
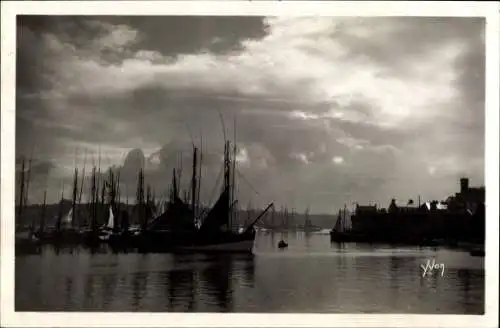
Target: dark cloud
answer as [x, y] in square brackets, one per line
[328, 111]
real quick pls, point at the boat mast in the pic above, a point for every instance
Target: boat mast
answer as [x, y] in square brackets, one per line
[194, 183]
[249, 211]
[82, 183]
[344, 221]
[227, 181]
[227, 168]
[102, 204]
[140, 200]
[174, 192]
[180, 171]
[233, 172]
[93, 204]
[99, 179]
[42, 216]
[118, 191]
[111, 186]
[60, 214]
[198, 189]
[306, 215]
[273, 218]
[74, 199]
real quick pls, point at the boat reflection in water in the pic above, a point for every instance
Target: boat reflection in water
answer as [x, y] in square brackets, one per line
[311, 275]
[207, 283]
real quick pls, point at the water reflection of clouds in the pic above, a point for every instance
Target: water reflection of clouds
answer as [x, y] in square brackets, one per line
[316, 278]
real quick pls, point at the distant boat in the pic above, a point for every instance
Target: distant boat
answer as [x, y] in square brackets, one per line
[308, 226]
[108, 231]
[479, 252]
[282, 244]
[339, 232]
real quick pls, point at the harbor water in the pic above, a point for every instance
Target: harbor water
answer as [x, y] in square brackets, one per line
[310, 275]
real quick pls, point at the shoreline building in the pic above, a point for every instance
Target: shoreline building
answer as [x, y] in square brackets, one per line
[460, 217]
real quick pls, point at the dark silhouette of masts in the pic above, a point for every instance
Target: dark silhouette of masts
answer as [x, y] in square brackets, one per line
[227, 179]
[75, 192]
[60, 214]
[140, 201]
[42, 216]
[194, 183]
[93, 204]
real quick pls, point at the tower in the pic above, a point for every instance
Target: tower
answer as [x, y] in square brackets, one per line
[464, 185]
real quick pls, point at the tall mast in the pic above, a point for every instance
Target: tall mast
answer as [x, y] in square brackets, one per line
[227, 180]
[42, 216]
[233, 178]
[249, 210]
[126, 194]
[345, 212]
[175, 191]
[140, 200]
[98, 203]
[306, 215]
[102, 207]
[180, 172]
[273, 217]
[82, 183]
[93, 207]
[198, 189]
[75, 192]
[148, 194]
[118, 192]
[193, 183]
[59, 217]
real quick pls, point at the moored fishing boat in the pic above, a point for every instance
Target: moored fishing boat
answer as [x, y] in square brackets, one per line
[216, 233]
[339, 233]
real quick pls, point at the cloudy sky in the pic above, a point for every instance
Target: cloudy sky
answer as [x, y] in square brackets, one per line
[328, 110]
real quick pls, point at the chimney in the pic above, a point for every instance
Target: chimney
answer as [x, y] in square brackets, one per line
[464, 185]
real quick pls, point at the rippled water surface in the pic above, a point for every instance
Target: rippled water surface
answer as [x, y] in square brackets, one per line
[311, 275]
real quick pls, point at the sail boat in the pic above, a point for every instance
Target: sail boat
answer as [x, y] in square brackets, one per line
[308, 226]
[108, 229]
[216, 233]
[67, 221]
[340, 233]
[110, 232]
[174, 226]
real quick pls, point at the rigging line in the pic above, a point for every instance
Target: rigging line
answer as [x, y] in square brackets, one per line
[109, 161]
[189, 132]
[212, 195]
[209, 205]
[223, 125]
[248, 182]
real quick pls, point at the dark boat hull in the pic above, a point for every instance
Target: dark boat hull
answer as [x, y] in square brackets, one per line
[163, 241]
[477, 252]
[228, 242]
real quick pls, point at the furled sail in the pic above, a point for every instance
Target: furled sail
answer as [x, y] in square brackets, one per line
[111, 219]
[68, 219]
[338, 224]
